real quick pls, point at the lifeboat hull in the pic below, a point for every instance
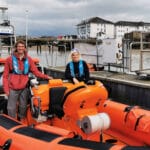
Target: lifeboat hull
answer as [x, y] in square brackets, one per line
[65, 105]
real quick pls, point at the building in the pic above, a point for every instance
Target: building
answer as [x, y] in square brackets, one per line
[93, 27]
[122, 27]
[99, 28]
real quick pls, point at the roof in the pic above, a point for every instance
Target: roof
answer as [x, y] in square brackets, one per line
[94, 20]
[120, 23]
[130, 23]
[3, 8]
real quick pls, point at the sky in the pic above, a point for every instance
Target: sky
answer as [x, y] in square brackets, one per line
[60, 17]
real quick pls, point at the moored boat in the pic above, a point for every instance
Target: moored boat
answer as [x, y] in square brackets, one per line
[86, 110]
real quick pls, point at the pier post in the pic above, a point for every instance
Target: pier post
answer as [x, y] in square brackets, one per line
[52, 55]
[141, 55]
[40, 48]
[37, 50]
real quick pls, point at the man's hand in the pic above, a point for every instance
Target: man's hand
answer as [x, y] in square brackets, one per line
[7, 94]
[75, 81]
[50, 78]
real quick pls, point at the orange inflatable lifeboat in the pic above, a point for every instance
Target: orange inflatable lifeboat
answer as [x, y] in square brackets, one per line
[22, 137]
[85, 110]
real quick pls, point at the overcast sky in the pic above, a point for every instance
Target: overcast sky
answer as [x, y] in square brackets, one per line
[59, 17]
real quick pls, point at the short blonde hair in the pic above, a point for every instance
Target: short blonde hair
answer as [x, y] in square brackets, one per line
[74, 50]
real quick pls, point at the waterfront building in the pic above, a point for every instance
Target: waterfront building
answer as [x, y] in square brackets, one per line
[122, 27]
[93, 27]
[100, 28]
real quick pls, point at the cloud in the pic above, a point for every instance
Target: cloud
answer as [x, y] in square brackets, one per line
[55, 17]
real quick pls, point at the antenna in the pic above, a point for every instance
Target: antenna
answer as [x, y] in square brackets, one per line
[27, 29]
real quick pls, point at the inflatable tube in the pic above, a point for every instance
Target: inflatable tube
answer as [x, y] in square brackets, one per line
[131, 124]
[22, 137]
[28, 138]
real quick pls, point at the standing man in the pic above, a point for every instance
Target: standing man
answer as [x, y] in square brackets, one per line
[15, 79]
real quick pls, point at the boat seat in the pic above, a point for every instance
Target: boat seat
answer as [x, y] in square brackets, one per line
[97, 145]
[136, 148]
[37, 134]
[56, 99]
[8, 123]
[86, 144]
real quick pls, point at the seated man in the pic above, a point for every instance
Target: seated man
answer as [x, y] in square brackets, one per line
[77, 69]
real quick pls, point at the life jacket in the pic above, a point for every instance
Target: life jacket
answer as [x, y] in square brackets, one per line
[81, 68]
[16, 67]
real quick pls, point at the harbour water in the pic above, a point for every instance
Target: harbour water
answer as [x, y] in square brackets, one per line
[122, 86]
[47, 58]
[56, 58]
